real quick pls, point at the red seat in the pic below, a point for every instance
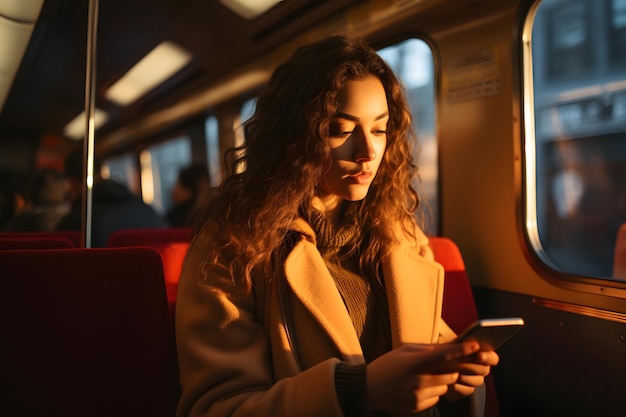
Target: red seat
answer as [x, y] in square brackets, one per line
[172, 256]
[35, 242]
[86, 332]
[619, 261]
[459, 307]
[170, 243]
[72, 235]
[142, 237]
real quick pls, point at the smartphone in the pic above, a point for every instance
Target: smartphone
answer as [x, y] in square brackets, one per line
[492, 333]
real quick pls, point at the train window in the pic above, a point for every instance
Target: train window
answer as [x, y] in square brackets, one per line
[576, 133]
[569, 42]
[160, 165]
[123, 169]
[412, 61]
[617, 34]
[211, 133]
[247, 110]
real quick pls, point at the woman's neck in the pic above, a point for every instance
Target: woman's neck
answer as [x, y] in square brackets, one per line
[331, 206]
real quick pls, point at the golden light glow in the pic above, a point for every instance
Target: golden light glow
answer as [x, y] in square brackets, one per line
[147, 177]
[160, 64]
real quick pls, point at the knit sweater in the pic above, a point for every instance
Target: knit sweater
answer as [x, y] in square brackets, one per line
[366, 302]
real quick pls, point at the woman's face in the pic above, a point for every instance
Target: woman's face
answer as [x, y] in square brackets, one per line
[358, 137]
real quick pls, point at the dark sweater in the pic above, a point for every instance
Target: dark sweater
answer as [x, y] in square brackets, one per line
[366, 302]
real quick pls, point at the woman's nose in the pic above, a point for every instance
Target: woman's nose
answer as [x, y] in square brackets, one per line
[364, 149]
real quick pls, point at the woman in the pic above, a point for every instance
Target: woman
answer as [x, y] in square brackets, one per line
[309, 289]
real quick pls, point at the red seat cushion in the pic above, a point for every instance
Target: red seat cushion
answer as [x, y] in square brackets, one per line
[86, 332]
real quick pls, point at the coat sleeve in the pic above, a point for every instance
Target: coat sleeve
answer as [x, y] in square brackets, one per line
[224, 354]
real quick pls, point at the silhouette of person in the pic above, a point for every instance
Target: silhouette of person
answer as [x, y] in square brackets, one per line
[46, 203]
[191, 184]
[114, 207]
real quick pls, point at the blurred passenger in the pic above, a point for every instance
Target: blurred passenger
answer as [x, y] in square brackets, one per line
[45, 203]
[192, 183]
[114, 207]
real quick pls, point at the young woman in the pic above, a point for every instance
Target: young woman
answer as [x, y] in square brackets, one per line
[309, 289]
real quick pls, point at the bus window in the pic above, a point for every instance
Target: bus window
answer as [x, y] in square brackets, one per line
[214, 158]
[160, 165]
[412, 61]
[575, 88]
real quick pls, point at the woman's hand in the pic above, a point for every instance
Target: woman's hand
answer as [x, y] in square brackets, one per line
[472, 374]
[412, 377]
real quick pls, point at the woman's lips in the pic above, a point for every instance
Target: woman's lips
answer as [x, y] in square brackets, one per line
[361, 178]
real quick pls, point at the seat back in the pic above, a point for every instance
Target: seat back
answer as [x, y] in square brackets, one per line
[459, 307]
[72, 235]
[85, 332]
[170, 243]
[619, 260]
[35, 242]
[172, 256]
[147, 237]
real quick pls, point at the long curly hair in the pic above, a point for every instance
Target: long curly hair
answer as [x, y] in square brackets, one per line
[272, 177]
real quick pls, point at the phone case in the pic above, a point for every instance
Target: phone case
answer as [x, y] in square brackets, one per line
[492, 333]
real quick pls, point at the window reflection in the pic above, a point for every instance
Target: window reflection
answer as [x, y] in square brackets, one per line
[579, 93]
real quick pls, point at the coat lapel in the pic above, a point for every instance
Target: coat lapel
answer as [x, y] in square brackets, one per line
[321, 297]
[414, 288]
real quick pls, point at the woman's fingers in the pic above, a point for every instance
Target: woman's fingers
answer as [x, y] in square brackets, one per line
[444, 357]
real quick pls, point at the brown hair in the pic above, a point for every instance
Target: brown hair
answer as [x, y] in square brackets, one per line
[274, 174]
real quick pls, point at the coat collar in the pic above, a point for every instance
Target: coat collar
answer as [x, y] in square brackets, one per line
[414, 286]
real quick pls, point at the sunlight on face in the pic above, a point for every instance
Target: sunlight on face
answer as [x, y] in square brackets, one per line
[357, 139]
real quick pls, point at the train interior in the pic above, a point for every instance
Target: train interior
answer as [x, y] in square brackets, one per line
[520, 109]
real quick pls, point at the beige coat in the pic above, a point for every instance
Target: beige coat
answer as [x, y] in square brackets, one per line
[236, 357]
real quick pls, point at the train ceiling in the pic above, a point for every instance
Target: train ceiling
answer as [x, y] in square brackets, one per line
[48, 88]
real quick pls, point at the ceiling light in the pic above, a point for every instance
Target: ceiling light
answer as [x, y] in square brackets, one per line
[77, 127]
[17, 20]
[21, 10]
[159, 65]
[249, 9]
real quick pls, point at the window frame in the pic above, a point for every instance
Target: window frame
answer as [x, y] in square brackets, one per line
[538, 257]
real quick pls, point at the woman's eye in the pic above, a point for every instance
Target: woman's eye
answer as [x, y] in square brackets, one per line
[341, 133]
[380, 132]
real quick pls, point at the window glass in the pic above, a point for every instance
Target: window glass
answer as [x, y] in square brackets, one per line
[214, 156]
[412, 61]
[575, 135]
[122, 169]
[160, 165]
[247, 110]
[617, 33]
[569, 40]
